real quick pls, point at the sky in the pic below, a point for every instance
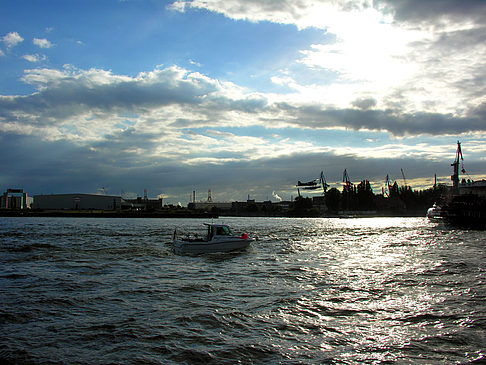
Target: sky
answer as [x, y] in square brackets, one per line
[240, 97]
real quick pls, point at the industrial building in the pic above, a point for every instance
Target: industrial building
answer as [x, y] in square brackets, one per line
[143, 204]
[15, 199]
[77, 202]
[208, 206]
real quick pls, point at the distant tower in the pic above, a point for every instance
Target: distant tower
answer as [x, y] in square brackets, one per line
[145, 197]
[210, 199]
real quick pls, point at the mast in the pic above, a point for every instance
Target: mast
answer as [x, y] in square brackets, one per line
[388, 186]
[455, 165]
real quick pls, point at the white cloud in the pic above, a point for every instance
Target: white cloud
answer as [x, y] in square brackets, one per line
[34, 57]
[42, 43]
[192, 62]
[302, 13]
[371, 56]
[86, 105]
[400, 72]
[419, 57]
[12, 39]
[170, 123]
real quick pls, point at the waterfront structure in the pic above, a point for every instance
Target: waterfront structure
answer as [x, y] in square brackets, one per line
[143, 203]
[15, 199]
[209, 205]
[77, 202]
[465, 206]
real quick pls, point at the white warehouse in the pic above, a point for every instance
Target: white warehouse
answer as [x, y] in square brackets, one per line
[77, 202]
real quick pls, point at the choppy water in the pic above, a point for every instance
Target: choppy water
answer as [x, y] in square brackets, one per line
[308, 291]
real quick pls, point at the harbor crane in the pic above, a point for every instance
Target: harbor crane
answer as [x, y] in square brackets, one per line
[455, 165]
[325, 185]
[346, 179]
[348, 185]
[347, 190]
[404, 180]
[386, 189]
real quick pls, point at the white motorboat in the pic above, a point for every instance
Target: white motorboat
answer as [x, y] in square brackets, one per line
[434, 213]
[218, 239]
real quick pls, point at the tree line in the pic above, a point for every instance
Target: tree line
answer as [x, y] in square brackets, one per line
[398, 200]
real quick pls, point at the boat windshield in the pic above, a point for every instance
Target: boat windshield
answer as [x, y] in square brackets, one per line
[218, 231]
[223, 231]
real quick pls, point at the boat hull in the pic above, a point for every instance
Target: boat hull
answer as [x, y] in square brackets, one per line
[465, 211]
[182, 247]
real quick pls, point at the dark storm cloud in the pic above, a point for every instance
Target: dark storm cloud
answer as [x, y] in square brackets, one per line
[57, 167]
[417, 11]
[66, 100]
[282, 173]
[382, 120]
[44, 167]
[63, 95]
[364, 103]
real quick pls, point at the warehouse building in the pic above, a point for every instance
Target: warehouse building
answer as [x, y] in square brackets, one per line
[208, 206]
[77, 202]
[15, 199]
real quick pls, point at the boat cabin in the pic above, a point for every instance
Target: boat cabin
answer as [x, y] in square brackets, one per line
[218, 230]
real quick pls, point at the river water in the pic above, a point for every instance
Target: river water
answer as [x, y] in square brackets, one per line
[341, 291]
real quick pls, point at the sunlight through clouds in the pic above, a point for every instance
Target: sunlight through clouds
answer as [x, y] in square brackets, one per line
[373, 55]
[369, 60]
[288, 86]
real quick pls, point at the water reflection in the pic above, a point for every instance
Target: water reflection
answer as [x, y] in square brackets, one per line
[362, 284]
[308, 291]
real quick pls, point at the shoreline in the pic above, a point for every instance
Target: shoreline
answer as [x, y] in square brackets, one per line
[105, 214]
[187, 214]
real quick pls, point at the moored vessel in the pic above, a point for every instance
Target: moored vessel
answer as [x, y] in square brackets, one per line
[465, 207]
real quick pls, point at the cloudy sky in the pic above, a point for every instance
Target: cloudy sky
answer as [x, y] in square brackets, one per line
[238, 96]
